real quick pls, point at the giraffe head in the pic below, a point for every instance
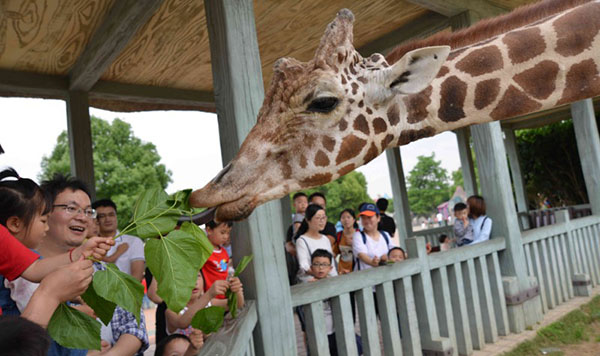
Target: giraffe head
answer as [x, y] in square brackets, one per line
[319, 121]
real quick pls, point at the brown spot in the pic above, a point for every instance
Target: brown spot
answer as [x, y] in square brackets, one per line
[481, 61]
[393, 114]
[354, 88]
[386, 141]
[361, 124]
[340, 56]
[539, 81]
[328, 143]
[583, 81]
[361, 103]
[286, 169]
[416, 105]
[321, 159]
[350, 148]
[343, 125]
[443, 71]
[379, 125]
[453, 93]
[351, 101]
[316, 179]
[303, 161]
[346, 169]
[371, 153]
[369, 111]
[309, 140]
[352, 70]
[362, 80]
[524, 44]
[408, 136]
[344, 79]
[486, 92]
[375, 57]
[514, 103]
[576, 30]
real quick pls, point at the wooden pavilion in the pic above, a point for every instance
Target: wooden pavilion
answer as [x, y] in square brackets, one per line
[130, 55]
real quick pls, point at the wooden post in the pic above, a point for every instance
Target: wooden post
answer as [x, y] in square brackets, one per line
[466, 161]
[239, 94]
[401, 207]
[80, 139]
[286, 214]
[588, 145]
[510, 143]
[494, 178]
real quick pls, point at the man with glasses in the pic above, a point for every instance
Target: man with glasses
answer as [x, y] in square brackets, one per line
[128, 252]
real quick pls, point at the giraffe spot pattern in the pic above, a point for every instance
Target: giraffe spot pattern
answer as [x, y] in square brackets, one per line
[316, 179]
[576, 30]
[328, 142]
[481, 61]
[362, 80]
[354, 88]
[393, 114]
[343, 125]
[539, 81]
[583, 81]
[361, 124]
[443, 71]
[321, 159]
[371, 153]
[346, 169]
[524, 45]
[375, 57]
[303, 161]
[352, 70]
[286, 169]
[453, 93]
[379, 125]
[513, 103]
[361, 103]
[416, 105]
[386, 141]
[369, 111]
[408, 136]
[344, 82]
[350, 148]
[486, 92]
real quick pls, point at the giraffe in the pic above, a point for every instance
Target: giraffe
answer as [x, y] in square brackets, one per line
[324, 118]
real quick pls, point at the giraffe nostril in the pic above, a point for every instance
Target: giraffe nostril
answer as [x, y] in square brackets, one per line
[222, 173]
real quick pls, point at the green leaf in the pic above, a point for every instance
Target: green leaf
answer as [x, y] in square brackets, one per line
[120, 288]
[242, 265]
[180, 199]
[152, 215]
[74, 329]
[205, 245]
[231, 302]
[175, 261]
[103, 308]
[209, 319]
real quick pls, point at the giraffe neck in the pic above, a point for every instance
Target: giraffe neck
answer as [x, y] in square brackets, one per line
[530, 69]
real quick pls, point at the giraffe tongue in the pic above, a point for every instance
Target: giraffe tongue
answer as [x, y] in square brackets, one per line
[200, 218]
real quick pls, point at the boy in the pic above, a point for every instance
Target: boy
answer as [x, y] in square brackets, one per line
[216, 266]
[462, 229]
[300, 204]
[321, 265]
[396, 254]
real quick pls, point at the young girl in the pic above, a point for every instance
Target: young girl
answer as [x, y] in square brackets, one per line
[308, 240]
[343, 245]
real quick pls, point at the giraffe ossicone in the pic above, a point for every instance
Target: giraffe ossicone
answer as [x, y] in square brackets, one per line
[324, 118]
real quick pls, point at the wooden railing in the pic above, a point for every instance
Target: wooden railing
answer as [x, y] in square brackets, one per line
[432, 235]
[235, 337]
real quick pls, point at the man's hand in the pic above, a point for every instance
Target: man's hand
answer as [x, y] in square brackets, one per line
[375, 261]
[218, 288]
[96, 247]
[68, 282]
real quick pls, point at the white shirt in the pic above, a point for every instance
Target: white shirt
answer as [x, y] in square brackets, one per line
[135, 252]
[482, 228]
[371, 248]
[305, 246]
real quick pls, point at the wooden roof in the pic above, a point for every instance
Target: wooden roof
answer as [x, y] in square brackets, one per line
[135, 55]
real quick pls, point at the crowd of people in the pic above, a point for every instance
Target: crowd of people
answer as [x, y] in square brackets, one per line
[54, 239]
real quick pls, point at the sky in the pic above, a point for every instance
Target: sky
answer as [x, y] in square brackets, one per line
[188, 143]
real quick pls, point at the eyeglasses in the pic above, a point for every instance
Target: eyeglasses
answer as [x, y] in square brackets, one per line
[321, 265]
[324, 217]
[75, 210]
[104, 216]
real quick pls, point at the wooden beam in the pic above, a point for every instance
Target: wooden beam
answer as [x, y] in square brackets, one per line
[539, 121]
[421, 27]
[514, 160]
[463, 139]
[450, 8]
[15, 83]
[120, 25]
[80, 139]
[401, 206]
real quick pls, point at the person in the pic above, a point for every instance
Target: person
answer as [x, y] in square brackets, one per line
[386, 223]
[68, 221]
[439, 217]
[300, 201]
[371, 245]
[309, 239]
[396, 254]
[445, 242]
[482, 224]
[19, 336]
[463, 229]
[329, 229]
[217, 264]
[128, 252]
[180, 345]
[343, 243]
[321, 266]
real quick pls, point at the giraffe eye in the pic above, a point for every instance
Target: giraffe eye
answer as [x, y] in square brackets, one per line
[323, 105]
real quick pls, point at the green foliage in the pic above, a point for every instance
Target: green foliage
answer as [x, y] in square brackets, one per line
[120, 288]
[153, 215]
[427, 185]
[124, 165]
[232, 299]
[103, 308]
[209, 320]
[345, 192]
[553, 169]
[74, 329]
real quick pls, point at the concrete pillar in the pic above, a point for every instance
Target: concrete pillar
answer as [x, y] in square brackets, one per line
[514, 160]
[80, 139]
[466, 161]
[401, 207]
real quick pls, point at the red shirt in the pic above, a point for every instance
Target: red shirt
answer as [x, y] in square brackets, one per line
[215, 269]
[15, 257]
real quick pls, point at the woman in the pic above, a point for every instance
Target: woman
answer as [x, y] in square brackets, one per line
[343, 245]
[370, 246]
[482, 224]
[308, 239]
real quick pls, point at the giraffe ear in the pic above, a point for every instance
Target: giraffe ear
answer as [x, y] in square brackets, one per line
[416, 69]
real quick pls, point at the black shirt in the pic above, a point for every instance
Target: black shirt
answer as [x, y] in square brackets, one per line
[387, 224]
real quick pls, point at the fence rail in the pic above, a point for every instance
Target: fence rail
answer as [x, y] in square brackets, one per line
[235, 337]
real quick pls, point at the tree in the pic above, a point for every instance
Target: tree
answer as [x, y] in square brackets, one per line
[427, 185]
[124, 165]
[345, 192]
